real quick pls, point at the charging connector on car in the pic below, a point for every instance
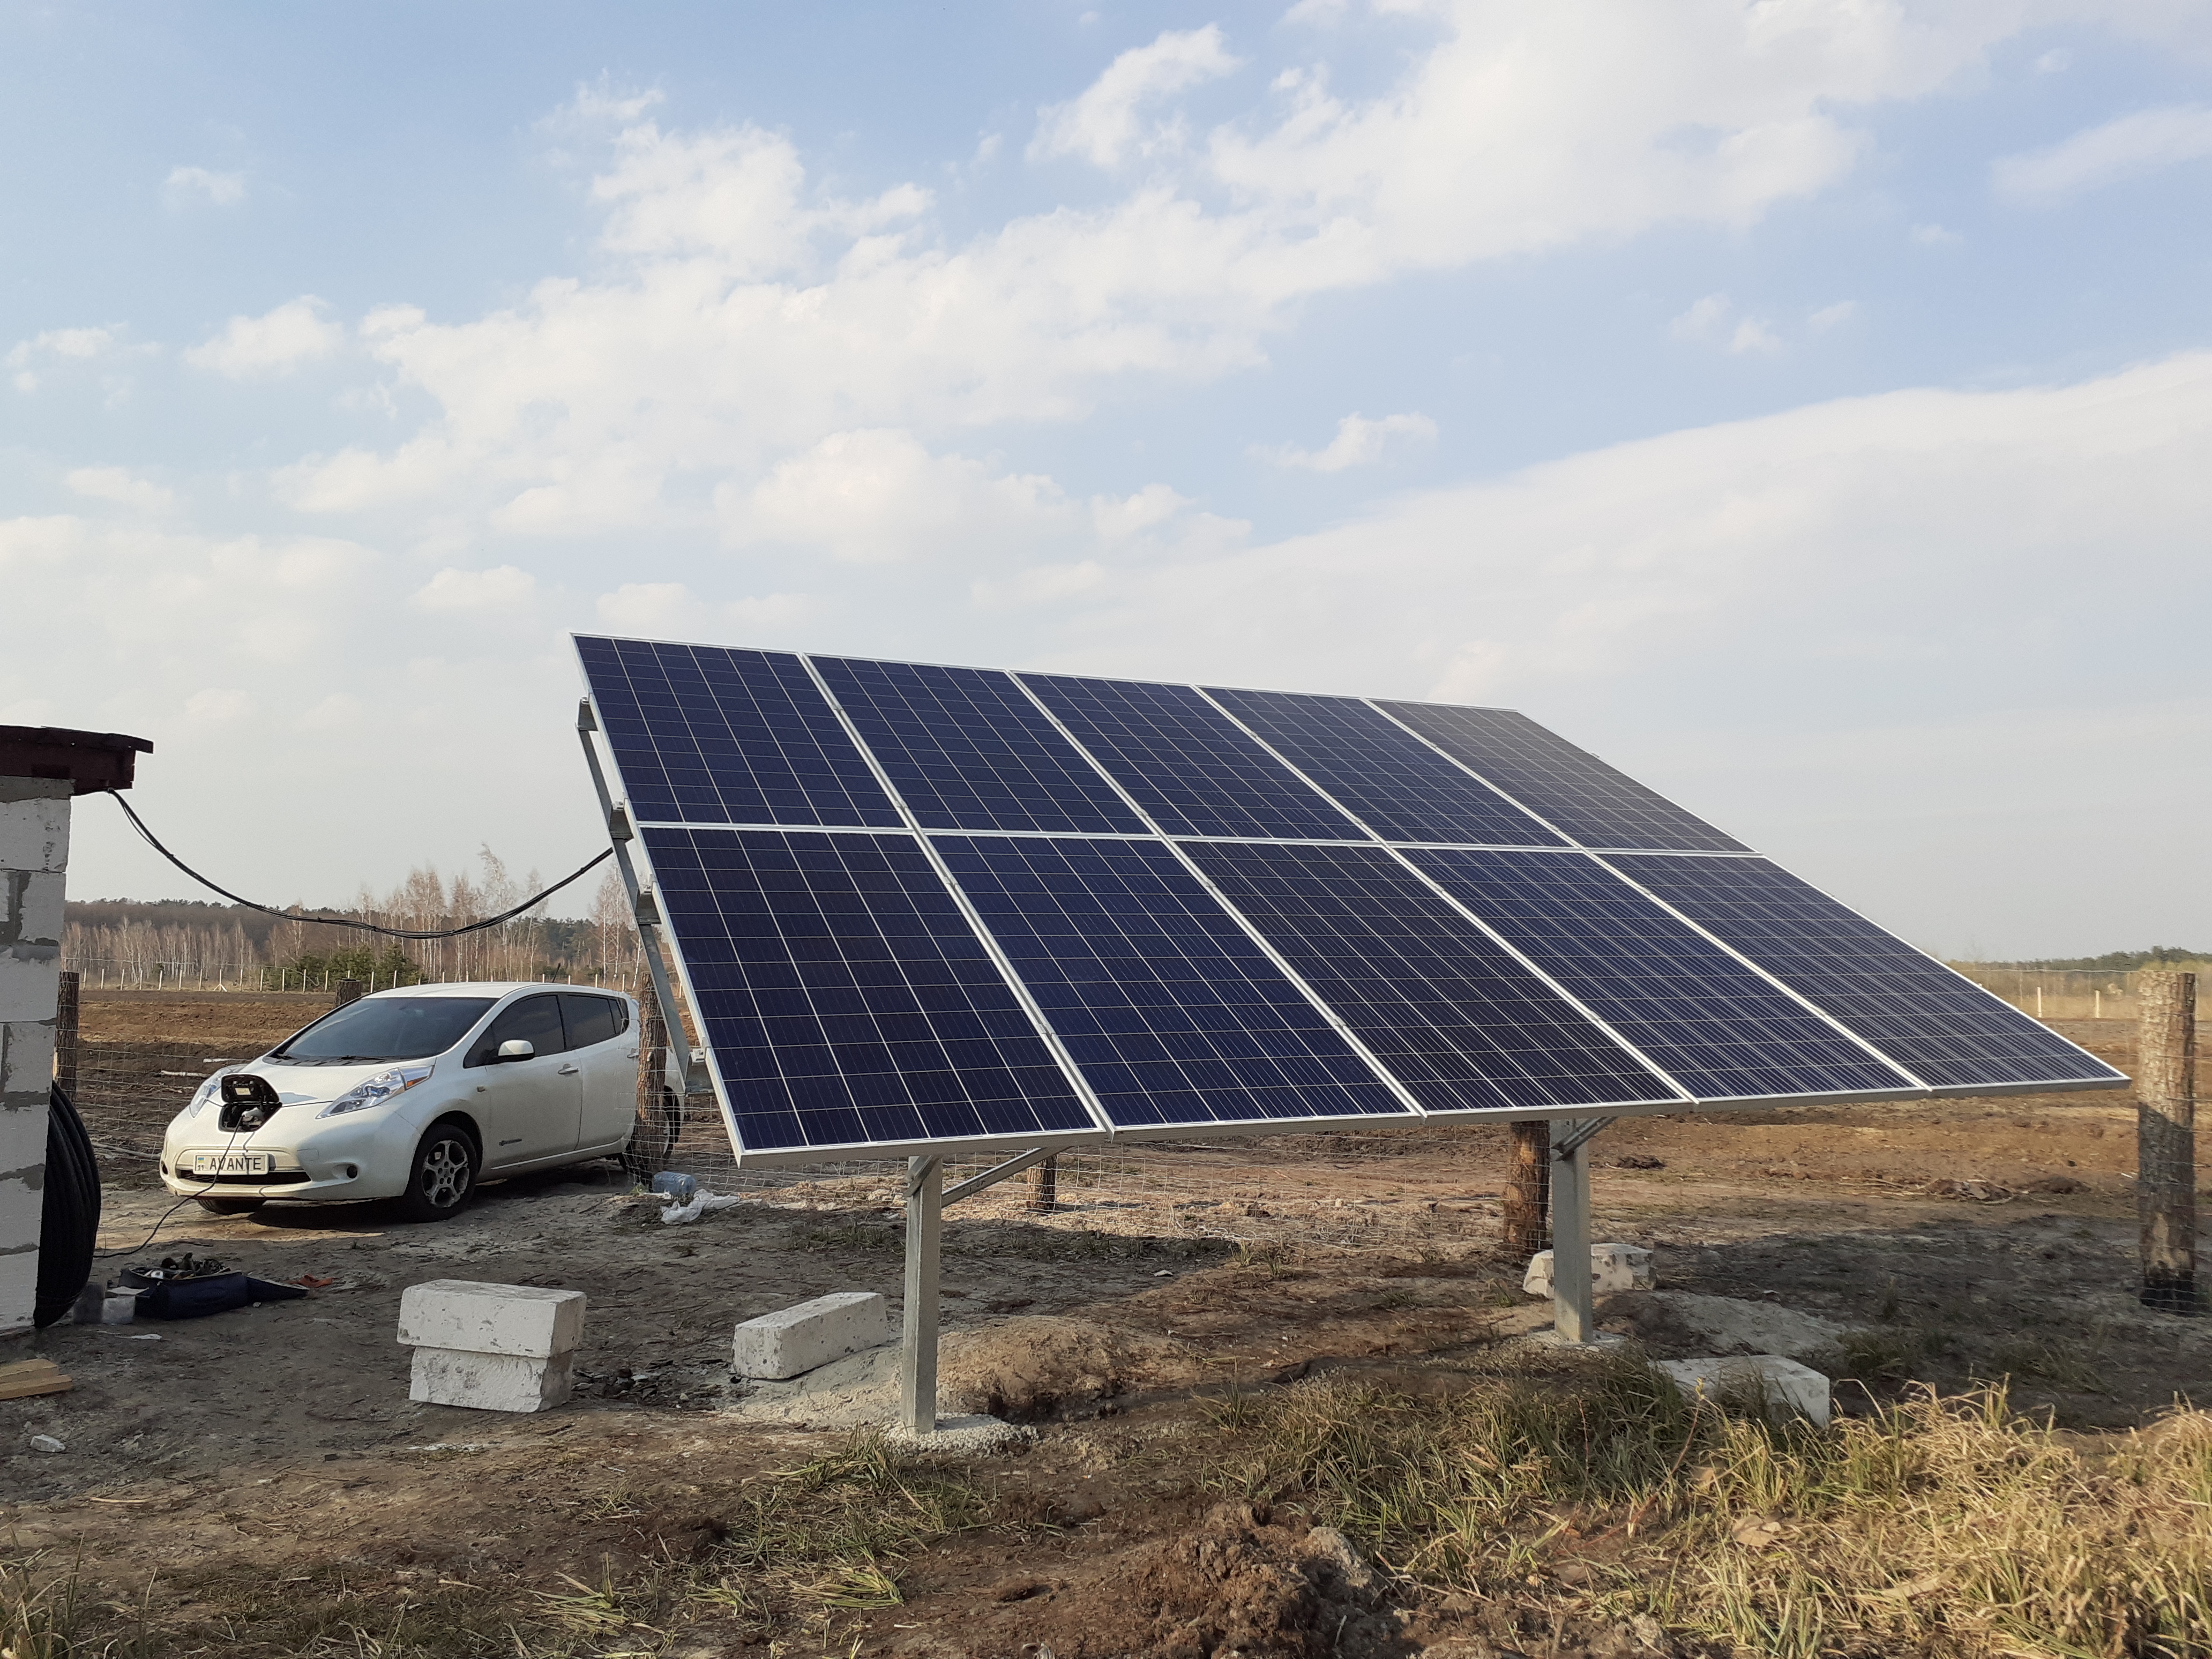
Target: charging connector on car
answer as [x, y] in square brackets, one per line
[248, 1101]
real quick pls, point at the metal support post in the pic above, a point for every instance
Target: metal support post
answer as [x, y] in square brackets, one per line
[925, 1208]
[1574, 1319]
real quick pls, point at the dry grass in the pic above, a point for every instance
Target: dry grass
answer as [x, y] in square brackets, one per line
[1944, 1528]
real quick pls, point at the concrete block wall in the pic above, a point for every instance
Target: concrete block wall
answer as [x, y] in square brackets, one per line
[34, 823]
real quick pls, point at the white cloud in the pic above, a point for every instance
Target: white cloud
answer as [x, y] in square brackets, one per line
[745, 314]
[1358, 442]
[504, 588]
[199, 184]
[1935, 235]
[119, 485]
[672, 610]
[275, 342]
[2122, 149]
[1106, 124]
[1834, 316]
[216, 705]
[1709, 319]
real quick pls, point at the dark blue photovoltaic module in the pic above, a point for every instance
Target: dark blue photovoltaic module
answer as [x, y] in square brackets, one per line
[701, 735]
[1452, 1013]
[1943, 1028]
[968, 750]
[1569, 788]
[1185, 763]
[918, 906]
[1170, 1011]
[1397, 785]
[844, 1001]
[1709, 1023]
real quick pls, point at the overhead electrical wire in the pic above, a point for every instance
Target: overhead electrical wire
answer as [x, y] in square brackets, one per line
[153, 841]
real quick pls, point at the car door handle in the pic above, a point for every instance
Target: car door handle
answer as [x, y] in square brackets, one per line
[566, 1070]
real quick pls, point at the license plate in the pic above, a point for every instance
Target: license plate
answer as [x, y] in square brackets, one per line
[247, 1163]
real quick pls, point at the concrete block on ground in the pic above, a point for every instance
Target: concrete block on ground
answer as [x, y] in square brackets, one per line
[795, 1340]
[489, 1382]
[1614, 1268]
[1782, 1383]
[469, 1317]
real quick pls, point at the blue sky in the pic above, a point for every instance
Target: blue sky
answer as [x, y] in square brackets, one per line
[1806, 405]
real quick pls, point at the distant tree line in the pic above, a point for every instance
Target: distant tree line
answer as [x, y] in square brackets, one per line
[2118, 962]
[169, 941]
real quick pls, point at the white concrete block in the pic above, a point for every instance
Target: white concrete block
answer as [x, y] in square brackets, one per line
[469, 1317]
[27, 1065]
[19, 1287]
[489, 1382]
[34, 833]
[40, 917]
[1783, 1385]
[1614, 1268]
[30, 981]
[796, 1340]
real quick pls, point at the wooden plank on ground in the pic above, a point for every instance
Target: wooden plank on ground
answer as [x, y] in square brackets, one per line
[27, 1378]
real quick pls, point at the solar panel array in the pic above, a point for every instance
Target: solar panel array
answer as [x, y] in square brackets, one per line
[919, 906]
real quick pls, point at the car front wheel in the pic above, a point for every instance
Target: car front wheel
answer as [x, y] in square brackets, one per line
[443, 1176]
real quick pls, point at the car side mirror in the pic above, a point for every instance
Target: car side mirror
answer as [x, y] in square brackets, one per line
[517, 1048]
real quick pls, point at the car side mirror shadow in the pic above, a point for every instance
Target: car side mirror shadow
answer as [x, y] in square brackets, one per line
[516, 1048]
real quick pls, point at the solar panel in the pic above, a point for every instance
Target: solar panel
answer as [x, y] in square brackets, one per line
[1944, 1028]
[844, 1001]
[1174, 1016]
[703, 735]
[1449, 1010]
[1186, 764]
[1397, 785]
[1568, 787]
[920, 907]
[1714, 1025]
[968, 750]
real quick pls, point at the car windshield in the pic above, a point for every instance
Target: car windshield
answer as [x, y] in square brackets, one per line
[386, 1028]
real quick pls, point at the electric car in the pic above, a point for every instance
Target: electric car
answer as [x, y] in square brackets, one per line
[415, 1094]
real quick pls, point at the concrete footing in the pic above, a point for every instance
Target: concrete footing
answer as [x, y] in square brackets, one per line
[1614, 1268]
[1784, 1385]
[795, 1340]
[491, 1347]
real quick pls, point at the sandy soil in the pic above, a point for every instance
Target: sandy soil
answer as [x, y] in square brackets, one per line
[276, 1447]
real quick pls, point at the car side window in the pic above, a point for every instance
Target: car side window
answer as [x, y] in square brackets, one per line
[536, 1020]
[592, 1019]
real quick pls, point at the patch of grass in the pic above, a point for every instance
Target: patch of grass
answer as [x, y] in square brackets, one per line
[833, 1533]
[41, 1609]
[1947, 1527]
[2062, 1362]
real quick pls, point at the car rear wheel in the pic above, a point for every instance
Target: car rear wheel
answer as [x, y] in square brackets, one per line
[233, 1205]
[443, 1175]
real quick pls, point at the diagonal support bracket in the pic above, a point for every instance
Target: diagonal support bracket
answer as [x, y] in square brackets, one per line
[1585, 1131]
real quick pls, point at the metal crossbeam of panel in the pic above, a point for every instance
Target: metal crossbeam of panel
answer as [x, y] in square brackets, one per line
[917, 910]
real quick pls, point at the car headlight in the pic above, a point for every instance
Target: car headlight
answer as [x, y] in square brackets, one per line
[375, 1090]
[207, 1091]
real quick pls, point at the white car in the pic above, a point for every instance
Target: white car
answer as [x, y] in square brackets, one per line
[413, 1094]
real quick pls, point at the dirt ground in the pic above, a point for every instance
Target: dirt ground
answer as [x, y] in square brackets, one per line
[265, 1473]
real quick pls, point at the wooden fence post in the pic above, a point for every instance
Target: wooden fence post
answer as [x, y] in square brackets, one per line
[1044, 1185]
[349, 990]
[1529, 1190]
[2165, 1139]
[65, 1054]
